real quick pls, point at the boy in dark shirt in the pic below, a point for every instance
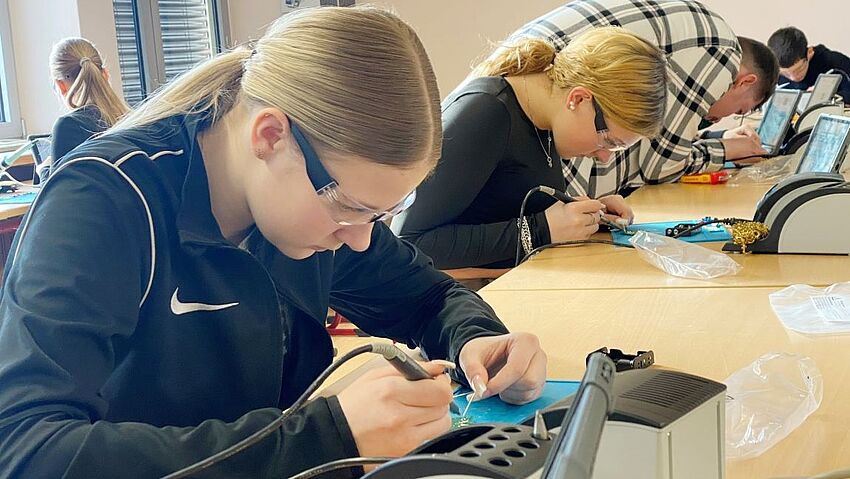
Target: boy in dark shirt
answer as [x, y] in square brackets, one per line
[800, 64]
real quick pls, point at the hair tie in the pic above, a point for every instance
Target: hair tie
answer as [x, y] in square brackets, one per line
[84, 60]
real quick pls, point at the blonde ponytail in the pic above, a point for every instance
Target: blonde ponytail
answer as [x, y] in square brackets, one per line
[529, 55]
[211, 88]
[77, 62]
[626, 74]
[356, 80]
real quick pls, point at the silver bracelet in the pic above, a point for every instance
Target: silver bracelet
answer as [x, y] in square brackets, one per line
[524, 234]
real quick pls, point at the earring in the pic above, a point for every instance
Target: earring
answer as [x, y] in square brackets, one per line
[572, 105]
[259, 153]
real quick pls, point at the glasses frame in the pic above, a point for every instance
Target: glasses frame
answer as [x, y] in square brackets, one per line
[343, 209]
[603, 136]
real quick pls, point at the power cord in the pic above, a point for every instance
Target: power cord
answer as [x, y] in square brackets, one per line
[279, 421]
[340, 464]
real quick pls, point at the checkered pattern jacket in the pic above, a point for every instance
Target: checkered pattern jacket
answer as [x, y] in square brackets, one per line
[703, 57]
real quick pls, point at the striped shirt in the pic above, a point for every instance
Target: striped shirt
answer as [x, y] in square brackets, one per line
[703, 58]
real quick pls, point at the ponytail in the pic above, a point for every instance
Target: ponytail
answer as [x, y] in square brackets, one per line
[527, 56]
[211, 87]
[77, 61]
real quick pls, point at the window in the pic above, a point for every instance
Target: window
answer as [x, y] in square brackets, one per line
[159, 39]
[10, 117]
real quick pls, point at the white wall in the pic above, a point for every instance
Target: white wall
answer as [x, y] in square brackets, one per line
[36, 26]
[458, 33]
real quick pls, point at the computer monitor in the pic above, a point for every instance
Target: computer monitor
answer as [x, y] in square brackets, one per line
[777, 118]
[804, 102]
[827, 145]
[824, 89]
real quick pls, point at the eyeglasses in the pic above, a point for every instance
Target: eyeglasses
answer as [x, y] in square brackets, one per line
[343, 209]
[603, 137]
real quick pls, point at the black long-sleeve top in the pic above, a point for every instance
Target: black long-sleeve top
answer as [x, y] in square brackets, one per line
[75, 127]
[822, 61]
[465, 215]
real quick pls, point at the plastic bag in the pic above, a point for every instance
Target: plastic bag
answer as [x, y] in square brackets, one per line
[682, 259]
[811, 310]
[768, 400]
[771, 170]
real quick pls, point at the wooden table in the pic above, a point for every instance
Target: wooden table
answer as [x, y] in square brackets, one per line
[711, 332]
[610, 267]
[12, 211]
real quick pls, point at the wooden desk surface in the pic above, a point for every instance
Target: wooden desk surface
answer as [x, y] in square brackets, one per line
[678, 201]
[711, 332]
[610, 267]
[11, 211]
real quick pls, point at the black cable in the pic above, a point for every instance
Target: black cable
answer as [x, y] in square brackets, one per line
[548, 190]
[272, 426]
[339, 464]
[570, 243]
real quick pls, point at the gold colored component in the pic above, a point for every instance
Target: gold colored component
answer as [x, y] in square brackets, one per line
[746, 233]
[462, 421]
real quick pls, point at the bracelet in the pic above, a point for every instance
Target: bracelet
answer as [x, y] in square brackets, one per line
[524, 234]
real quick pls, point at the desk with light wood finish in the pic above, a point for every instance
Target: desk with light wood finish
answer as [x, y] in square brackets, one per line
[611, 267]
[710, 332]
[11, 211]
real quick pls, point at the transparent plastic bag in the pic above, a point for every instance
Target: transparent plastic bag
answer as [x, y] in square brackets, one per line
[811, 310]
[771, 170]
[682, 259]
[768, 400]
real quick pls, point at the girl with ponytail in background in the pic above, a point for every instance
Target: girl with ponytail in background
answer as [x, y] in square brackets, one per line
[505, 132]
[82, 81]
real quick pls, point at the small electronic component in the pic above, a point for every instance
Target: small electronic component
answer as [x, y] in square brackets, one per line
[683, 229]
[461, 421]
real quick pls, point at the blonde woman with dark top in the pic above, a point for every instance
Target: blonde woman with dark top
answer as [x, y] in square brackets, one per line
[165, 297]
[81, 80]
[506, 131]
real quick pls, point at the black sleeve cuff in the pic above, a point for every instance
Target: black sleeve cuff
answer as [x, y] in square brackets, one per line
[539, 229]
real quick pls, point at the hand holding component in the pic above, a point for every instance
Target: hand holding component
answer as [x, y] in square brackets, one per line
[617, 210]
[745, 131]
[511, 365]
[573, 221]
[383, 404]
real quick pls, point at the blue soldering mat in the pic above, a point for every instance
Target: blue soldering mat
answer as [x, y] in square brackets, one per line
[494, 409]
[715, 232]
[17, 198]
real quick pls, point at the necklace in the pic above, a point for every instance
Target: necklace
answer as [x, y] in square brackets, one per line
[546, 150]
